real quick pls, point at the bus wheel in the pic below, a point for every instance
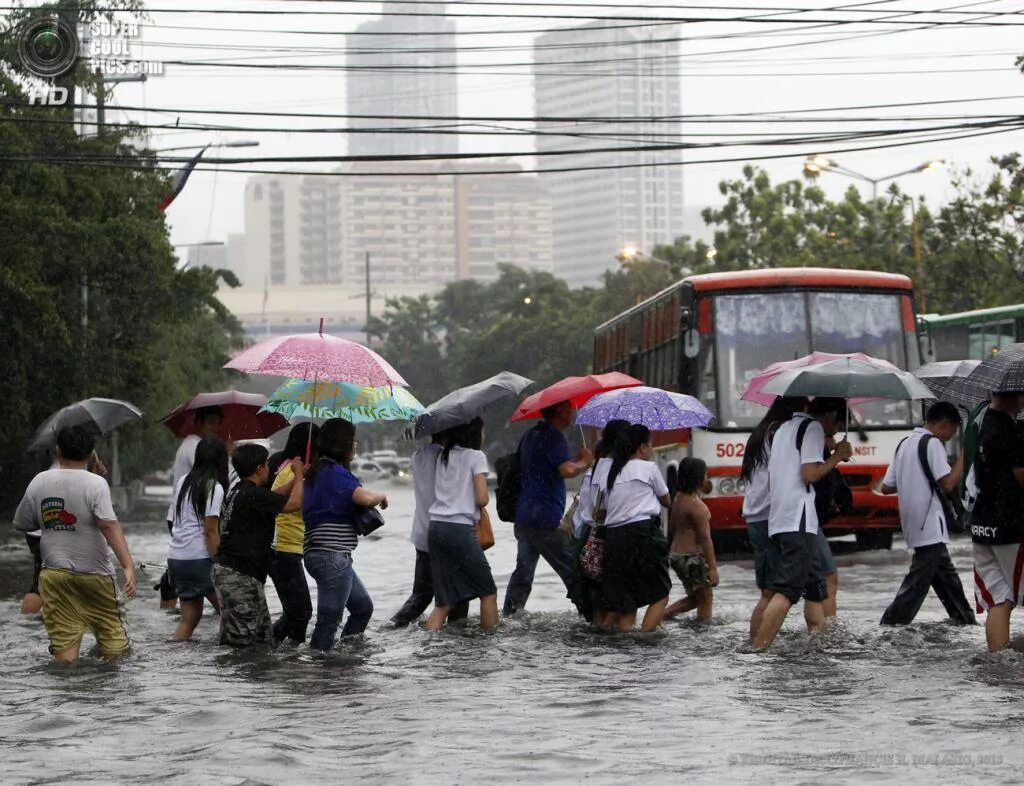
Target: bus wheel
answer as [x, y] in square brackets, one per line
[870, 539]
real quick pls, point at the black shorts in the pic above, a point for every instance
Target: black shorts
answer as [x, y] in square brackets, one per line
[33, 546]
[793, 570]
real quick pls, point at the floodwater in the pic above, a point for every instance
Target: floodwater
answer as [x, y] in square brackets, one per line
[541, 700]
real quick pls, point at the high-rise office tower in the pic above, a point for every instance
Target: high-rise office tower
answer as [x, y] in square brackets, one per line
[402, 65]
[629, 78]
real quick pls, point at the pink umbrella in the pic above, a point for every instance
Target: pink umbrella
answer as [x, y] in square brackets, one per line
[316, 356]
[754, 391]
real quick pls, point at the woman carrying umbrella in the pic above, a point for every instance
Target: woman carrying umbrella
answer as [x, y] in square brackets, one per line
[635, 571]
[329, 508]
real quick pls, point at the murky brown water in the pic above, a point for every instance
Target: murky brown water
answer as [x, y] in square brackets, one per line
[541, 700]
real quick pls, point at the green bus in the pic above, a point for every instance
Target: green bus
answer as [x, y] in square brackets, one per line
[970, 335]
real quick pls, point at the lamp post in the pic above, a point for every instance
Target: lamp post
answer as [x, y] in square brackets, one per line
[239, 143]
[816, 164]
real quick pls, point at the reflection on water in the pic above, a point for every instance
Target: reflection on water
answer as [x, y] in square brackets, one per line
[543, 698]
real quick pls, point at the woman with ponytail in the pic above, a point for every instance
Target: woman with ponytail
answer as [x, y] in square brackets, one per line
[635, 570]
[460, 569]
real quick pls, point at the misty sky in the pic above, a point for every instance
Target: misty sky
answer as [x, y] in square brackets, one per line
[876, 64]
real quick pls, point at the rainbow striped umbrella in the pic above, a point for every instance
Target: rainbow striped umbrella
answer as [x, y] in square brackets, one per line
[300, 399]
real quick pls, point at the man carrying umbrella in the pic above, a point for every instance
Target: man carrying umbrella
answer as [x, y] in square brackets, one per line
[546, 464]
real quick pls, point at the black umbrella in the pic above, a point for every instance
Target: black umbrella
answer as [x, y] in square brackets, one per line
[99, 415]
[1003, 372]
[947, 379]
[464, 404]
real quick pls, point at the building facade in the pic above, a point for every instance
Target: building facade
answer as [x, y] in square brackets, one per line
[630, 79]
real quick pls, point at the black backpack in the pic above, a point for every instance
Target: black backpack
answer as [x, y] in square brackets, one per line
[510, 484]
[952, 507]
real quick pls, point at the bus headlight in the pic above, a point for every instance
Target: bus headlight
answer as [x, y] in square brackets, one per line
[727, 487]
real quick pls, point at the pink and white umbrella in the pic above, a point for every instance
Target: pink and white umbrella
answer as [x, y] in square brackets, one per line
[315, 356]
[755, 390]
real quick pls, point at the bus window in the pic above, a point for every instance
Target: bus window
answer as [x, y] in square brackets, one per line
[753, 331]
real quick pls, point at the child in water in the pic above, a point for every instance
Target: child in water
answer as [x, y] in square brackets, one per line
[692, 554]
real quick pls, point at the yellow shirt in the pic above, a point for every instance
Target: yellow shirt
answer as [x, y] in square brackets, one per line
[290, 527]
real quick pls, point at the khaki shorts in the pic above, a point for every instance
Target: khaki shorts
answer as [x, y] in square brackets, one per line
[74, 603]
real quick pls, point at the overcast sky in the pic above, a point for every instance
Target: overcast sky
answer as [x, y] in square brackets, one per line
[876, 64]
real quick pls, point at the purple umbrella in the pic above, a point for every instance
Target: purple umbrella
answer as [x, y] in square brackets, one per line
[657, 409]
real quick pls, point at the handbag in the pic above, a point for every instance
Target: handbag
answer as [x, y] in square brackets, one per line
[484, 532]
[368, 520]
[592, 556]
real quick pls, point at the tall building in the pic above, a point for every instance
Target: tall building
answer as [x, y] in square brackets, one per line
[617, 74]
[405, 66]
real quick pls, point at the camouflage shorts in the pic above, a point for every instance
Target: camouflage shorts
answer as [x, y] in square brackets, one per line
[692, 570]
[244, 616]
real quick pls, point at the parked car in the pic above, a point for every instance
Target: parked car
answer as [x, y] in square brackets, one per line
[369, 471]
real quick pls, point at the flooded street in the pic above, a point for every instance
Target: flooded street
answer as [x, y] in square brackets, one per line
[541, 700]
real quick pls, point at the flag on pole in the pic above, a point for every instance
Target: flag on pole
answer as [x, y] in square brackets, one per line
[180, 178]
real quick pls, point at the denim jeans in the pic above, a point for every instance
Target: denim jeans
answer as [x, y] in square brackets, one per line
[338, 588]
[297, 609]
[534, 543]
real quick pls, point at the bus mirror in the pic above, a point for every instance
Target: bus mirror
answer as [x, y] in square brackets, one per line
[691, 343]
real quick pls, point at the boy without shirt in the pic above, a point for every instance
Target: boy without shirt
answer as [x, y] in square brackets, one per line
[692, 554]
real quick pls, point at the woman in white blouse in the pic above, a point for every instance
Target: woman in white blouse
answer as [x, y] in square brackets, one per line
[635, 571]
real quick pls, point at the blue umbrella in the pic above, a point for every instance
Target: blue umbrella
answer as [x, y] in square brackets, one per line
[657, 409]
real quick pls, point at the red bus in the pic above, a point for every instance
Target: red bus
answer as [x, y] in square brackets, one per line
[708, 335]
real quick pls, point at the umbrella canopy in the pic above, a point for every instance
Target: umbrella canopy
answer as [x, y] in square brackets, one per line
[849, 378]
[947, 379]
[576, 390]
[657, 409]
[99, 415]
[242, 416]
[1000, 373]
[466, 403]
[755, 390]
[299, 398]
[317, 356]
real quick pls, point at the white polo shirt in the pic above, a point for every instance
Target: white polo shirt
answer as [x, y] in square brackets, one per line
[792, 500]
[634, 496]
[920, 511]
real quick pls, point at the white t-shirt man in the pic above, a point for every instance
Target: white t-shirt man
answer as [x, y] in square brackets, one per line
[454, 497]
[634, 496]
[792, 500]
[920, 510]
[65, 504]
[423, 466]
[188, 540]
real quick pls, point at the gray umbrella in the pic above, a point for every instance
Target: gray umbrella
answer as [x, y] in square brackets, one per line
[947, 379]
[849, 378]
[99, 415]
[464, 404]
[1003, 372]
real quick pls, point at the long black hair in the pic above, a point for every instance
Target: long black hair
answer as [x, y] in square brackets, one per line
[335, 445]
[465, 435]
[609, 433]
[628, 442]
[299, 437]
[781, 410]
[210, 467]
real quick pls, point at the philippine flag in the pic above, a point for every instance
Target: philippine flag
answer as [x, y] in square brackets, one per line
[179, 180]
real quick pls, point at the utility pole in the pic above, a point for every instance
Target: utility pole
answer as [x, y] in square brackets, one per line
[367, 298]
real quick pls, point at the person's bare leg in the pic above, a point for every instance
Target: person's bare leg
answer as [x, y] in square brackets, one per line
[681, 606]
[771, 621]
[489, 612]
[70, 655]
[191, 613]
[997, 627]
[832, 583]
[758, 613]
[705, 601]
[438, 616]
[654, 615]
[626, 621]
[814, 616]
[606, 620]
[214, 601]
[32, 603]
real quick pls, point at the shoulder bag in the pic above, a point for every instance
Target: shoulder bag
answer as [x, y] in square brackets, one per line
[951, 512]
[367, 520]
[484, 531]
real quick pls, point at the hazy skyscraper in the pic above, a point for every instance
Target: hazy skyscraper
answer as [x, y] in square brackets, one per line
[620, 74]
[402, 65]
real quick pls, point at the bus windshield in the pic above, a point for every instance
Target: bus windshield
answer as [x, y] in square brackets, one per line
[753, 331]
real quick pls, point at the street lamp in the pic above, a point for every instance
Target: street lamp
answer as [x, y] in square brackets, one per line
[816, 164]
[239, 143]
[631, 252]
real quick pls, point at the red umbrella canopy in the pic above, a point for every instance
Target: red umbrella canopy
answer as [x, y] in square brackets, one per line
[577, 390]
[317, 356]
[242, 416]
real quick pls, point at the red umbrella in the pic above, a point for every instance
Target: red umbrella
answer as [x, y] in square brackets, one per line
[242, 416]
[315, 356]
[577, 390]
